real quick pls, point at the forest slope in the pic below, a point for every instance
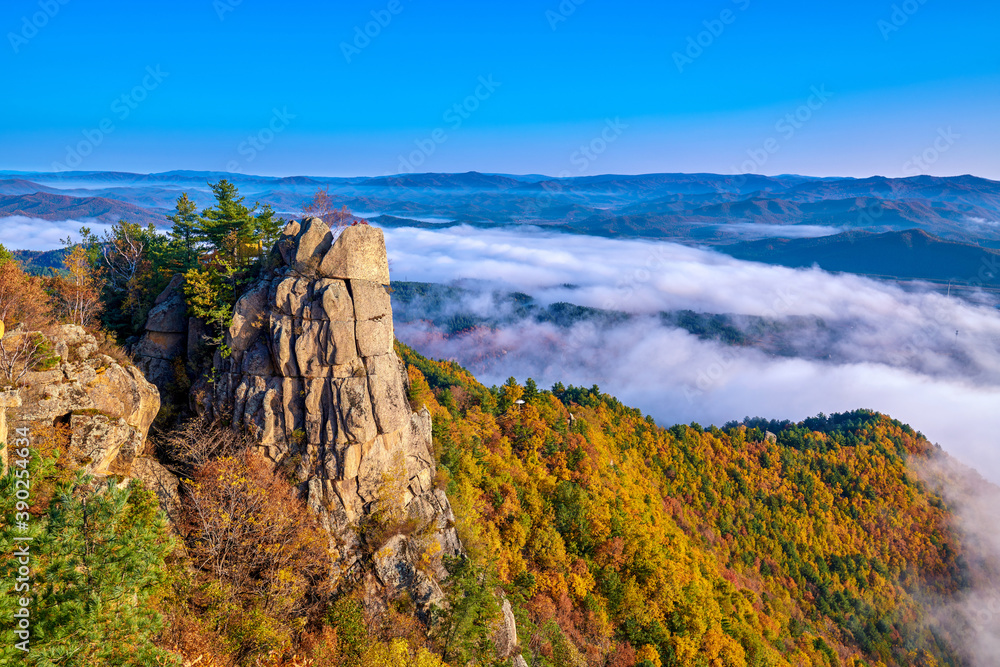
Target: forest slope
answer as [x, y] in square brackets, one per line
[624, 541]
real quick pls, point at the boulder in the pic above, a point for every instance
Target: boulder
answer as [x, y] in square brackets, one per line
[108, 407]
[505, 632]
[161, 345]
[169, 314]
[161, 481]
[249, 317]
[375, 337]
[385, 384]
[286, 244]
[359, 252]
[167, 337]
[371, 300]
[313, 241]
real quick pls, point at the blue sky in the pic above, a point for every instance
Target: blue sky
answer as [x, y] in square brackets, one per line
[823, 88]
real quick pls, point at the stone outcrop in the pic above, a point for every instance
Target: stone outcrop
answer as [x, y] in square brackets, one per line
[312, 373]
[166, 336]
[173, 343]
[106, 406]
[505, 633]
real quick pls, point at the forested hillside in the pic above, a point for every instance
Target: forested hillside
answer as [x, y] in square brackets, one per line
[626, 542]
[617, 542]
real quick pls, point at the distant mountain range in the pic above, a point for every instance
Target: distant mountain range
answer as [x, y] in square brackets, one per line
[910, 255]
[46, 206]
[787, 211]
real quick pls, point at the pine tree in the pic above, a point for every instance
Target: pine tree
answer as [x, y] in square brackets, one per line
[229, 222]
[96, 558]
[185, 233]
[236, 230]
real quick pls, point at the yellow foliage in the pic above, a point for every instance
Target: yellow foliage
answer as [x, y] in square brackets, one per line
[398, 653]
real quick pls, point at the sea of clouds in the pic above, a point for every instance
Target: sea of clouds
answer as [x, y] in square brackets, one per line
[928, 359]
[18, 232]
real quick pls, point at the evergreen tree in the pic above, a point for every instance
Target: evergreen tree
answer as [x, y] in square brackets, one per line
[236, 230]
[96, 558]
[229, 222]
[185, 234]
[465, 630]
[267, 228]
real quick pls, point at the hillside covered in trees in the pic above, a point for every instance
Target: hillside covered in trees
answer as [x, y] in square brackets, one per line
[627, 543]
[616, 541]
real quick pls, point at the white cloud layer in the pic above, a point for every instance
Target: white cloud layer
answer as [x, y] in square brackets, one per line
[18, 232]
[856, 342]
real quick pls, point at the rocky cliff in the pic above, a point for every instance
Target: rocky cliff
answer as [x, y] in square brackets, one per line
[103, 406]
[309, 368]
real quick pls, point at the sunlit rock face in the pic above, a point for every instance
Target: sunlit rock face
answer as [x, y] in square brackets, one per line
[310, 371]
[102, 405]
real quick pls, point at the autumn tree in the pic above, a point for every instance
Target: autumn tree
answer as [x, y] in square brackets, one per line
[246, 527]
[78, 293]
[130, 257]
[323, 206]
[23, 300]
[24, 310]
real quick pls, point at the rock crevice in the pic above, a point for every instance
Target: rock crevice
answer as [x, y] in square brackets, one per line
[312, 373]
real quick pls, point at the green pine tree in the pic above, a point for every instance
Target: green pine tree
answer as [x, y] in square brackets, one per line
[97, 557]
[185, 234]
[465, 627]
[229, 222]
[236, 230]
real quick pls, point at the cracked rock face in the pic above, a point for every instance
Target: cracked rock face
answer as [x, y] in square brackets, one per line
[313, 375]
[107, 407]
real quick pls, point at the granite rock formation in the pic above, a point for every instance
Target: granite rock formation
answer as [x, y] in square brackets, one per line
[309, 368]
[172, 343]
[107, 407]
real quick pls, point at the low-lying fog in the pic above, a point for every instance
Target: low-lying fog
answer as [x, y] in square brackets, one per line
[917, 355]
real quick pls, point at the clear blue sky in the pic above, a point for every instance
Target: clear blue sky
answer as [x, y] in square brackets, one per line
[895, 88]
